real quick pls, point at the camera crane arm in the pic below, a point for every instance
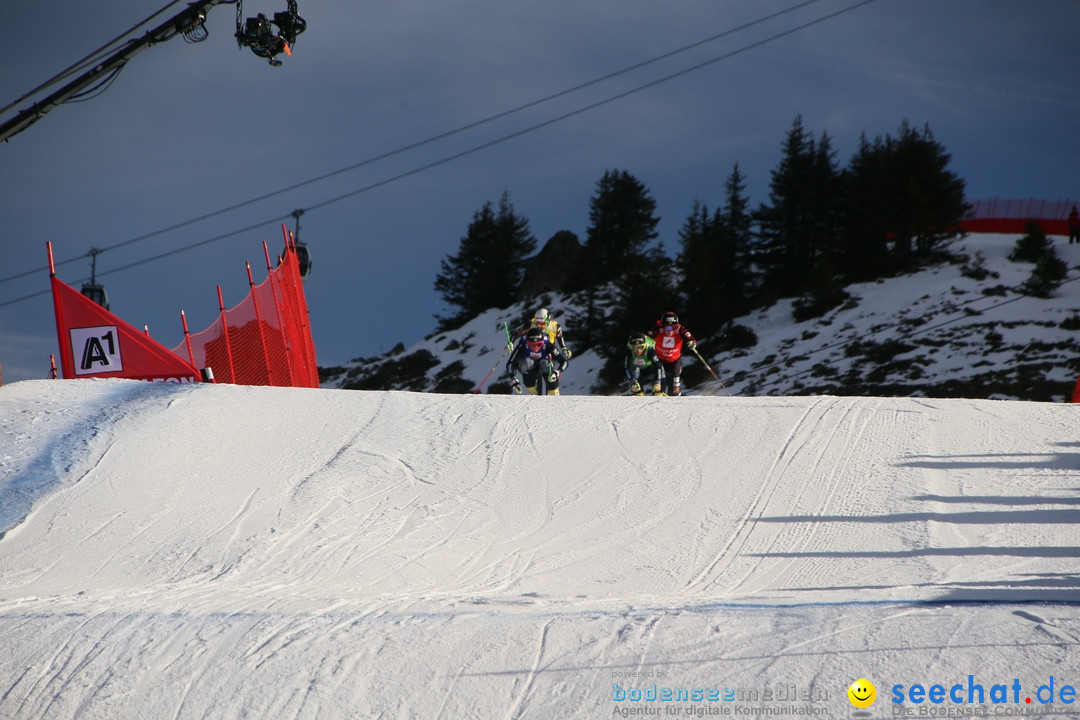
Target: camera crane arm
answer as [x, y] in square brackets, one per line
[187, 22]
[257, 35]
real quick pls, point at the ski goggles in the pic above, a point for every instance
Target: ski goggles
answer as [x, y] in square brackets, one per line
[534, 344]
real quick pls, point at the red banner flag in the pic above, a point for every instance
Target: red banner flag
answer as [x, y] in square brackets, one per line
[95, 343]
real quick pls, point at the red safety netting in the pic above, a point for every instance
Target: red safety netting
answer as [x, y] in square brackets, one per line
[95, 343]
[1004, 215]
[266, 338]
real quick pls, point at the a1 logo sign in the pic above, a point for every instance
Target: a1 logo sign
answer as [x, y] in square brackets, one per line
[96, 350]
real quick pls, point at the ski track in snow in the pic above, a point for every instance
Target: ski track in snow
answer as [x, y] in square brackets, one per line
[340, 554]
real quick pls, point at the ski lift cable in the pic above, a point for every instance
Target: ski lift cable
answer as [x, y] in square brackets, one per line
[579, 111]
[446, 159]
[86, 61]
[155, 258]
[443, 135]
[592, 106]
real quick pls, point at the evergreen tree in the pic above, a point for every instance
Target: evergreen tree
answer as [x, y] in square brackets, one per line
[699, 259]
[737, 214]
[1049, 271]
[1033, 246]
[488, 267]
[901, 201]
[634, 301]
[799, 223]
[736, 241]
[642, 293]
[863, 251]
[622, 223]
[620, 271]
[715, 259]
[1047, 276]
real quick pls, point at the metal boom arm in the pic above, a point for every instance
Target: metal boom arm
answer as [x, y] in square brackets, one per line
[186, 21]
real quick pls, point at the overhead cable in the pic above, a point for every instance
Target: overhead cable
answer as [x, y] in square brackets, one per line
[472, 150]
[473, 125]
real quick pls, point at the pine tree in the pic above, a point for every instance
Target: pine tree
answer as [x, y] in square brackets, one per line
[1047, 276]
[1049, 270]
[863, 251]
[715, 259]
[636, 299]
[620, 270]
[699, 259]
[933, 199]
[489, 264]
[900, 203]
[737, 208]
[622, 223]
[736, 239]
[799, 223]
[1033, 246]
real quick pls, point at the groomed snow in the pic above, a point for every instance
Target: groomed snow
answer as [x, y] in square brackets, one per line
[239, 552]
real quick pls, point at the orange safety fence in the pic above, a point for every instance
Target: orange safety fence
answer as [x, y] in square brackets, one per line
[1003, 215]
[95, 343]
[266, 338]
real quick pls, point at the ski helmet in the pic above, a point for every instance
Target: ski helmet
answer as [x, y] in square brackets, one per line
[534, 338]
[540, 319]
[669, 319]
[636, 343]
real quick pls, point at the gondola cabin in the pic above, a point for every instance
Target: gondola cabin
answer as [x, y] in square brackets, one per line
[96, 293]
[303, 258]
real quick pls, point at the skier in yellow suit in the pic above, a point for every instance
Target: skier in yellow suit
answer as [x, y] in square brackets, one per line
[543, 320]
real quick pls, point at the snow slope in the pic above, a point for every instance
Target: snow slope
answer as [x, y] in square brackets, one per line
[945, 331]
[228, 552]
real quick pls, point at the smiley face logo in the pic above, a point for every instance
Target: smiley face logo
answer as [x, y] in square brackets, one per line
[862, 693]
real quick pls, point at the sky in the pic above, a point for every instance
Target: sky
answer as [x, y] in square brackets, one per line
[218, 551]
[189, 131]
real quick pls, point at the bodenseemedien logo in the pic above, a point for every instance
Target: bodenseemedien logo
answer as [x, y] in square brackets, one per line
[862, 693]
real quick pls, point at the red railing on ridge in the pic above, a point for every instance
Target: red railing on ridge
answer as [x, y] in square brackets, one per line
[1004, 215]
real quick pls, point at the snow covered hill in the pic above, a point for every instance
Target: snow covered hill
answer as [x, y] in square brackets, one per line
[228, 552]
[956, 330]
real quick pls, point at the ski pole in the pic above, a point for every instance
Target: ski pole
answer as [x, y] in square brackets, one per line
[497, 362]
[707, 367]
[490, 373]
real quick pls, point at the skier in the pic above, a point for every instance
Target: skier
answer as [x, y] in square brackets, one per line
[643, 365]
[1074, 225]
[670, 337]
[543, 320]
[537, 363]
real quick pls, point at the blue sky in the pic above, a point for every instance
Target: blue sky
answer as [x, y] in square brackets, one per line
[188, 130]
